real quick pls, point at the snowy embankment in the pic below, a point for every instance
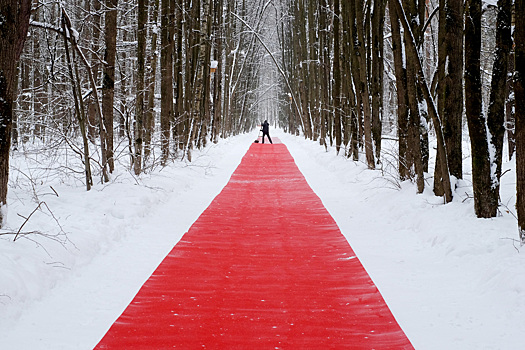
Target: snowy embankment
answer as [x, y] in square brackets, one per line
[451, 280]
[64, 291]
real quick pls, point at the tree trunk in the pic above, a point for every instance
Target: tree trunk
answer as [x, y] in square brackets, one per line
[217, 79]
[39, 92]
[95, 64]
[510, 120]
[453, 87]
[445, 45]
[149, 121]
[481, 171]
[498, 95]
[302, 51]
[337, 97]
[179, 111]
[378, 19]
[230, 43]
[402, 98]
[14, 130]
[205, 113]
[13, 32]
[324, 57]
[450, 87]
[166, 83]
[519, 91]
[441, 147]
[196, 76]
[25, 101]
[77, 96]
[313, 67]
[139, 107]
[363, 84]
[108, 83]
[414, 115]
[352, 132]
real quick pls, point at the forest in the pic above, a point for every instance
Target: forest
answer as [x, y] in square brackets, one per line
[137, 84]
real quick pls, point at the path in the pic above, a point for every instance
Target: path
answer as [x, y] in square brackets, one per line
[264, 267]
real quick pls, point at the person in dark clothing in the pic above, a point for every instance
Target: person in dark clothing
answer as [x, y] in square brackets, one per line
[266, 131]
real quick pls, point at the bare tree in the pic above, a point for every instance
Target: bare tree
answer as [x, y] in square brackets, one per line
[149, 116]
[401, 81]
[486, 164]
[108, 84]
[14, 24]
[363, 84]
[422, 84]
[378, 19]
[498, 96]
[166, 70]
[139, 109]
[450, 87]
[519, 90]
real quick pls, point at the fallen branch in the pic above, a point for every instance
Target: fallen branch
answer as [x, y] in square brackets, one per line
[19, 232]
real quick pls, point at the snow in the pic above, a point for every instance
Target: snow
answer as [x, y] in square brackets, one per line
[75, 34]
[451, 280]
[155, 29]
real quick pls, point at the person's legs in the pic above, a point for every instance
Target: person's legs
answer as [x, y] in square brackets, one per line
[263, 137]
[269, 138]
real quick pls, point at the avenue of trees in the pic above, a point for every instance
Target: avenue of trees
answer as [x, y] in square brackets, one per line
[130, 82]
[433, 63]
[137, 83]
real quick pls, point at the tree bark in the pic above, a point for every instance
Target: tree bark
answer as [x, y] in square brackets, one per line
[14, 15]
[14, 128]
[108, 83]
[313, 67]
[205, 110]
[402, 110]
[441, 147]
[519, 91]
[378, 19]
[179, 112]
[498, 95]
[149, 116]
[166, 83]
[77, 96]
[39, 92]
[481, 171]
[324, 56]
[337, 97]
[510, 120]
[218, 76]
[414, 114]
[450, 86]
[363, 85]
[139, 107]
[95, 64]
[302, 51]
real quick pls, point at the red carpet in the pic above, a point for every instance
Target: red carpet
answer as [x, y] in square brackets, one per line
[264, 267]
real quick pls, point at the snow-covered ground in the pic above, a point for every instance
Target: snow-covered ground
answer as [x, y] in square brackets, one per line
[451, 280]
